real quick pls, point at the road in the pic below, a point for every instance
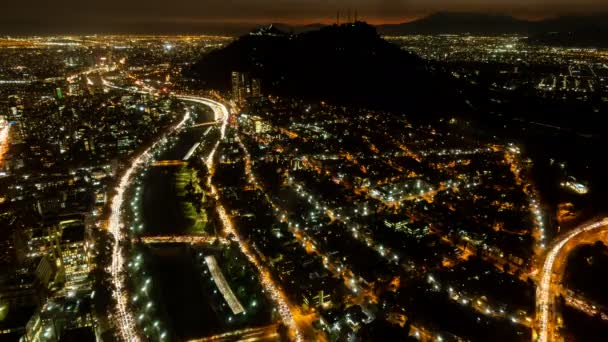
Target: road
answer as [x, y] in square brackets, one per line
[552, 272]
[285, 309]
[169, 163]
[116, 227]
[4, 140]
[191, 239]
[584, 305]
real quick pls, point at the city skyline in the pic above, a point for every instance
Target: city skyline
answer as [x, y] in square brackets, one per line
[437, 181]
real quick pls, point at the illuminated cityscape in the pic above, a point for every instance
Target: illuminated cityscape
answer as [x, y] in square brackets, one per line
[345, 182]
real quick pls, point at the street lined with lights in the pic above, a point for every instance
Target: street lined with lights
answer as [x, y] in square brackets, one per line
[126, 319]
[548, 280]
[4, 141]
[221, 114]
[276, 294]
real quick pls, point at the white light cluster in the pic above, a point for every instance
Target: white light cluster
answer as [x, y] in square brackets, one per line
[278, 297]
[126, 320]
[544, 297]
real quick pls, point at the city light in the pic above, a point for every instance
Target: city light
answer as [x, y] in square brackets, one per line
[545, 292]
[4, 141]
[285, 311]
[306, 214]
[126, 321]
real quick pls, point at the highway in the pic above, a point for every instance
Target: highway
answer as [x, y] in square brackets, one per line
[4, 137]
[550, 275]
[116, 227]
[125, 322]
[582, 304]
[285, 310]
[214, 123]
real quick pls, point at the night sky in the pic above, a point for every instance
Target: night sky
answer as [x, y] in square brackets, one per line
[30, 16]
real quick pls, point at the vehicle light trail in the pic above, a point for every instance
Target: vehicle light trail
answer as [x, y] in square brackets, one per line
[544, 297]
[219, 110]
[221, 114]
[191, 151]
[270, 287]
[276, 294]
[221, 283]
[4, 142]
[126, 319]
[191, 239]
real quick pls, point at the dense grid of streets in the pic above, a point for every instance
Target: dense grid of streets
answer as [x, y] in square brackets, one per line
[126, 320]
[362, 291]
[335, 220]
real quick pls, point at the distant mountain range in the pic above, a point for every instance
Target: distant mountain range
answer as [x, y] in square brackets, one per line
[446, 23]
[475, 23]
[589, 30]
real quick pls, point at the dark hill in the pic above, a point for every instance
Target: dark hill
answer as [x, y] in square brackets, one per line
[582, 39]
[347, 64]
[587, 31]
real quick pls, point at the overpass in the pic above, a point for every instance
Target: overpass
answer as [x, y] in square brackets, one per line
[161, 163]
[267, 333]
[212, 123]
[190, 239]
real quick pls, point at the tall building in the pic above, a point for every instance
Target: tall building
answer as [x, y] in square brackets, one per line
[74, 257]
[244, 86]
[237, 85]
[256, 87]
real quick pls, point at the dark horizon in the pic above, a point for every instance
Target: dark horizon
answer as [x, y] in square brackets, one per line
[228, 28]
[34, 17]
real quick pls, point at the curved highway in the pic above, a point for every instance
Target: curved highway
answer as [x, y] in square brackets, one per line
[278, 297]
[546, 291]
[4, 140]
[125, 318]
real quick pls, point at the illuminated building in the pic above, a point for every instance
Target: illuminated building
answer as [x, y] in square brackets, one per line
[20, 295]
[573, 185]
[45, 272]
[260, 125]
[315, 300]
[73, 251]
[238, 81]
[244, 86]
[256, 87]
[58, 317]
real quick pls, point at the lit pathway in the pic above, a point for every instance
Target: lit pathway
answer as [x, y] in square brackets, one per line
[116, 227]
[556, 259]
[125, 318]
[4, 140]
[278, 297]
